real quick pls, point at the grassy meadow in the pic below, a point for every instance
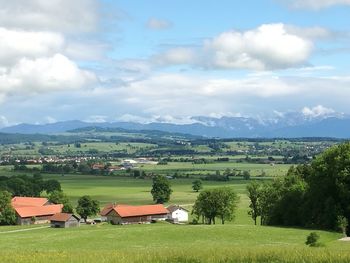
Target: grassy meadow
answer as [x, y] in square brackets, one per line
[163, 242]
[238, 241]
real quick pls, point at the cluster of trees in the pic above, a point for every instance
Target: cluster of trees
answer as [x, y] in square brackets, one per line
[23, 185]
[216, 203]
[59, 197]
[315, 195]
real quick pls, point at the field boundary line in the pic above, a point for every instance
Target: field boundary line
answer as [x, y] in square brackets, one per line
[23, 230]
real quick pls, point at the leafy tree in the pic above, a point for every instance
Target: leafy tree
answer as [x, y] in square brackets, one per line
[58, 197]
[328, 194]
[227, 203]
[161, 189]
[342, 224]
[246, 175]
[197, 185]
[7, 213]
[253, 190]
[213, 203]
[87, 207]
[17, 186]
[52, 185]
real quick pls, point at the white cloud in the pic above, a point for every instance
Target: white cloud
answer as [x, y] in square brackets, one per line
[312, 33]
[43, 75]
[317, 111]
[315, 4]
[164, 94]
[158, 24]
[49, 119]
[176, 56]
[56, 15]
[97, 118]
[16, 44]
[3, 121]
[268, 47]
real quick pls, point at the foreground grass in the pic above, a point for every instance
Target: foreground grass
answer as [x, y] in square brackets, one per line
[170, 243]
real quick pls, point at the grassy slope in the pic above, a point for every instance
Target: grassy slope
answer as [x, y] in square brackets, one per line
[163, 242]
[235, 242]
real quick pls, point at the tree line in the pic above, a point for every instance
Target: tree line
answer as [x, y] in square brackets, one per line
[315, 195]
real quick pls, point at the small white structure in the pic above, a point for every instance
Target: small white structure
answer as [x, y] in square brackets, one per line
[177, 214]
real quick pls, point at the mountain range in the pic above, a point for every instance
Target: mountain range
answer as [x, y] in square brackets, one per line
[288, 125]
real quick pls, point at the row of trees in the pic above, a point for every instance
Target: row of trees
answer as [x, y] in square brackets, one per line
[216, 203]
[23, 185]
[315, 195]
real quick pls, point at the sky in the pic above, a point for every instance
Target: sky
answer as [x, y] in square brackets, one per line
[156, 60]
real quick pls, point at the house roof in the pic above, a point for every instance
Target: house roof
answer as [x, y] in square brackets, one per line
[173, 208]
[63, 217]
[105, 210]
[30, 211]
[141, 210]
[19, 201]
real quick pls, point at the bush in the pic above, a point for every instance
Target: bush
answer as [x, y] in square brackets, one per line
[312, 240]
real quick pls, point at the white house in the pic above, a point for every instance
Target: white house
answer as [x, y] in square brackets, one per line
[177, 213]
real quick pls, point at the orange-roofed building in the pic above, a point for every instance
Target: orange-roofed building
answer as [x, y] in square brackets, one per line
[20, 201]
[34, 210]
[128, 214]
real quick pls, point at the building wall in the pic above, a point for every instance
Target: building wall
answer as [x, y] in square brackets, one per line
[180, 215]
[114, 218]
[57, 224]
[72, 222]
[29, 221]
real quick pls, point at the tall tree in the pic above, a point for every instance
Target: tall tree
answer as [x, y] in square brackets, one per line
[253, 190]
[161, 189]
[58, 197]
[197, 185]
[7, 213]
[52, 185]
[87, 207]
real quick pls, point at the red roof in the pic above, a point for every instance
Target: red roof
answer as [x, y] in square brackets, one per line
[46, 210]
[141, 210]
[106, 209]
[62, 217]
[19, 201]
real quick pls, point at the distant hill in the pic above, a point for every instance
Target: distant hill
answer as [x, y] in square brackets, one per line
[290, 126]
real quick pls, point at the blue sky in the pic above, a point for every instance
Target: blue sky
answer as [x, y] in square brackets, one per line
[170, 60]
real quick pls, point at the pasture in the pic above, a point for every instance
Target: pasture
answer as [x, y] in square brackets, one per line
[163, 242]
[238, 241]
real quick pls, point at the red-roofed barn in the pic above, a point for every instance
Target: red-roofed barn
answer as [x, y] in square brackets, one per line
[127, 214]
[34, 210]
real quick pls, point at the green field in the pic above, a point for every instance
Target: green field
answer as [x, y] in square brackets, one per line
[190, 168]
[163, 242]
[238, 241]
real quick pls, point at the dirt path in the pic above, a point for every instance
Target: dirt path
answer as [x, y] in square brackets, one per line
[22, 230]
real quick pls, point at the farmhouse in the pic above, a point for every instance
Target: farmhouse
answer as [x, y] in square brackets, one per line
[177, 214]
[64, 220]
[127, 214]
[34, 210]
